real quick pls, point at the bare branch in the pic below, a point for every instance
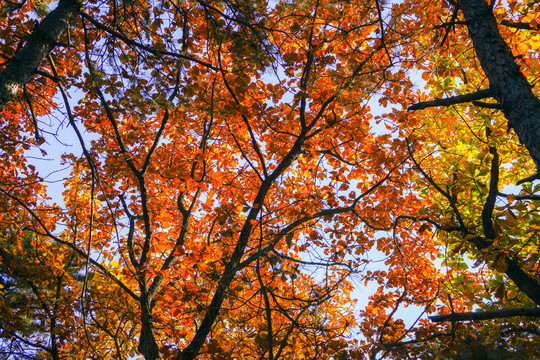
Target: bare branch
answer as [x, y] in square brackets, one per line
[486, 105]
[146, 48]
[518, 25]
[459, 99]
[489, 205]
[486, 315]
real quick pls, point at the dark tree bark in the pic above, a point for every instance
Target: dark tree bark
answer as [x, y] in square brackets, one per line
[521, 279]
[513, 270]
[42, 40]
[147, 341]
[506, 81]
[486, 315]
[460, 99]
[232, 267]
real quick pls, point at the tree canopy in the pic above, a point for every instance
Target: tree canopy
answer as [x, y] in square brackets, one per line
[232, 172]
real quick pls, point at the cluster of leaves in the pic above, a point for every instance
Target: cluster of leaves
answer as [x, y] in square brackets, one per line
[232, 183]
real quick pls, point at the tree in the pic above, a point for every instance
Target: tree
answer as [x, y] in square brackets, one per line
[466, 169]
[229, 184]
[38, 44]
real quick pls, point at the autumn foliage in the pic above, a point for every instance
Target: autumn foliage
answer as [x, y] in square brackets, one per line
[262, 180]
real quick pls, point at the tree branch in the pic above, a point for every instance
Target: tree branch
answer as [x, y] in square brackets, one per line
[518, 25]
[143, 47]
[450, 24]
[508, 84]
[486, 315]
[486, 105]
[459, 99]
[41, 42]
[489, 205]
[78, 251]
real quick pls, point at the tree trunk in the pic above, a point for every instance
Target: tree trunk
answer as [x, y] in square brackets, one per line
[42, 40]
[508, 84]
[147, 340]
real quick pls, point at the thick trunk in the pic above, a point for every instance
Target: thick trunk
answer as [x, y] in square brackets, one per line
[147, 340]
[42, 40]
[506, 81]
